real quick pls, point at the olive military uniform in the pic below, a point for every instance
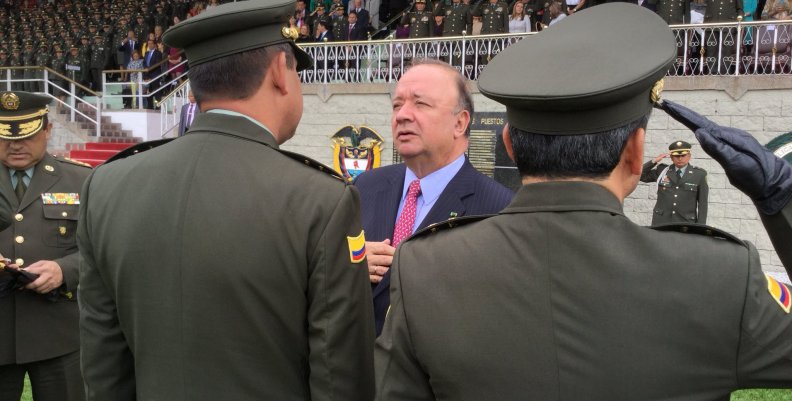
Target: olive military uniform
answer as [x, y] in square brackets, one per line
[494, 17]
[456, 19]
[583, 303]
[229, 279]
[682, 194]
[420, 23]
[40, 331]
[674, 11]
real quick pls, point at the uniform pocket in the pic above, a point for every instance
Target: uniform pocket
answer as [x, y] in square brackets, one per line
[60, 225]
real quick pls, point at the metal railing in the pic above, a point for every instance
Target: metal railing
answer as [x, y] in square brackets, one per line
[140, 91]
[739, 48]
[170, 108]
[63, 90]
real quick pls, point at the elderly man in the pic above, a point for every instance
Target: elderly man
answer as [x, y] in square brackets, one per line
[561, 296]
[682, 189]
[39, 324]
[217, 266]
[436, 182]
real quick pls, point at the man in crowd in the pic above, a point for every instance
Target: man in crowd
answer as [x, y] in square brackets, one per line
[100, 57]
[152, 57]
[188, 113]
[419, 20]
[39, 324]
[682, 189]
[456, 18]
[430, 128]
[561, 296]
[494, 16]
[239, 273]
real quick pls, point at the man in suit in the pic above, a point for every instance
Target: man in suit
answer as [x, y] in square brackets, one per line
[364, 18]
[322, 32]
[188, 113]
[232, 268]
[682, 189]
[39, 324]
[152, 57]
[355, 30]
[430, 128]
[561, 296]
[125, 49]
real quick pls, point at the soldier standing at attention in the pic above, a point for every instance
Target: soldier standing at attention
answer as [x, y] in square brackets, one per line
[277, 307]
[456, 18]
[494, 16]
[682, 189]
[420, 20]
[42, 60]
[675, 11]
[39, 325]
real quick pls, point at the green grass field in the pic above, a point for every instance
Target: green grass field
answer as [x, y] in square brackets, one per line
[742, 395]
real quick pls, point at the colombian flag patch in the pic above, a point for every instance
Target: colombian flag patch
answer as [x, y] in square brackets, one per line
[357, 248]
[779, 292]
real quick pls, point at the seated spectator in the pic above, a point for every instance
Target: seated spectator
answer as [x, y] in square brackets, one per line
[777, 10]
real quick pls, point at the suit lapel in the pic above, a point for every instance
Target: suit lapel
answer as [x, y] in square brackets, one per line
[450, 200]
[45, 176]
[389, 197]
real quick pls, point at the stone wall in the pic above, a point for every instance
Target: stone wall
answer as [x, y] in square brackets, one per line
[759, 105]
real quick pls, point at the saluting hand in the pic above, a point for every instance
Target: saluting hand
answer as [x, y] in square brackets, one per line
[660, 157]
[50, 276]
[379, 256]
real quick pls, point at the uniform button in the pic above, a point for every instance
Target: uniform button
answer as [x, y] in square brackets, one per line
[674, 204]
[674, 212]
[20, 261]
[19, 217]
[64, 214]
[19, 239]
[675, 195]
[677, 187]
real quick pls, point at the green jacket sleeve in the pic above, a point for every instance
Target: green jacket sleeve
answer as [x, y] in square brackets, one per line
[340, 316]
[764, 358]
[703, 196]
[107, 362]
[399, 373]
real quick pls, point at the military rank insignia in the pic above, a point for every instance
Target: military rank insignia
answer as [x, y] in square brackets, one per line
[60, 198]
[357, 248]
[356, 150]
[779, 292]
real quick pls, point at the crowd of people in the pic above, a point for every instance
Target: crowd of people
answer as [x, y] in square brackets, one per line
[81, 38]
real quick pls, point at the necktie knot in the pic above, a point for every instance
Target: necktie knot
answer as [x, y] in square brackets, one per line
[680, 172]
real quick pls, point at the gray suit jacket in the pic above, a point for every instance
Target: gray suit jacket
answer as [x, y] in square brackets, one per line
[217, 267]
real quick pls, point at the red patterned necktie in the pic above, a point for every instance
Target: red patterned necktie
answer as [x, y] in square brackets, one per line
[406, 221]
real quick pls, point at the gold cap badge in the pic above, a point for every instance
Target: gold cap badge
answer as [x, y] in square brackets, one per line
[10, 101]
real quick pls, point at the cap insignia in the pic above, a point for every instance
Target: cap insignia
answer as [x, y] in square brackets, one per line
[29, 127]
[10, 101]
[285, 32]
[657, 90]
[679, 144]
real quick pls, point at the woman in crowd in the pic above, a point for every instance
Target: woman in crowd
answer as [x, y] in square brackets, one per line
[518, 21]
[305, 35]
[135, 63]
[777, 10]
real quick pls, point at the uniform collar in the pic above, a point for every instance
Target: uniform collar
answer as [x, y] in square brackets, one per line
[560, 196]
[226, 122]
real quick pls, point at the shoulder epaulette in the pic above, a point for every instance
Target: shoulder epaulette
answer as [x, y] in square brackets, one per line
[312, 163]
[700, 229]
[137, 148]
[75, 162]
[449, 224]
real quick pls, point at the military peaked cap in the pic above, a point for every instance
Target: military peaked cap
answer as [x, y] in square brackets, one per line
[22, 114]
[597, 71]
[679, 148]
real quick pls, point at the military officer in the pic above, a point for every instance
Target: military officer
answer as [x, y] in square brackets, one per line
[494, 16]
[339, 22]
[29, 60]
[100, 57]
[585, 304]
[675, 11]
[277, 310]
[42, 60]
[75, 65]
[682, 189]
[58, 64]
[40, 323]
[419, 20]
[16, 61]
[320, 16]
[456, 18]
[4, 61]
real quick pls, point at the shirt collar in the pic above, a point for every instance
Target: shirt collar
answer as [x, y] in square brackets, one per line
[435, 183]
[234, 113]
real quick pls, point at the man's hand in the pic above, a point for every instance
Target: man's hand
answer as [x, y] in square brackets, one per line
[379, 256]
[50, 276]
[660, 157]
